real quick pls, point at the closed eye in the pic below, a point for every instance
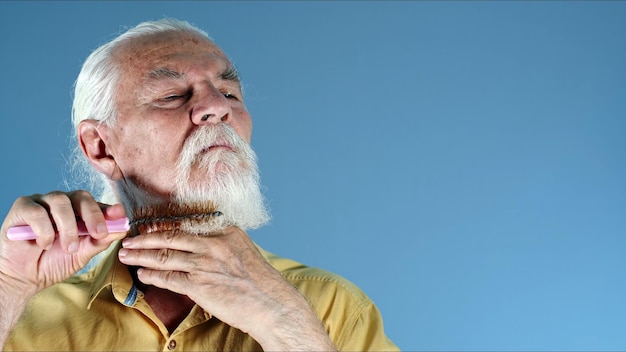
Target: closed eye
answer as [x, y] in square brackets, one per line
[230, 95]
[175, 97]
[172, 100]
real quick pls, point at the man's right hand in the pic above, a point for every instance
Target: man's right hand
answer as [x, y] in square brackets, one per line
[27, 267]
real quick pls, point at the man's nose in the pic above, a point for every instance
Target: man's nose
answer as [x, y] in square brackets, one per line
[212, 107]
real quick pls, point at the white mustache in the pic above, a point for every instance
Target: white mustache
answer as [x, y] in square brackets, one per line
[210, 136]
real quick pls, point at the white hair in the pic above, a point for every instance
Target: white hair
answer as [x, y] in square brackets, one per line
[95, 92]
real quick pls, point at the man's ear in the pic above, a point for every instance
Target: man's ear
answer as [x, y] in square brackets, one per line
[93, 138]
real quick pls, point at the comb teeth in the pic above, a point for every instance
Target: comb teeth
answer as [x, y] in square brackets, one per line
[193, 218]
[174, 218]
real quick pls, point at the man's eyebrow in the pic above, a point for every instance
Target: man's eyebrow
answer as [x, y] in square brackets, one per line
[164, 73]
[230, 74]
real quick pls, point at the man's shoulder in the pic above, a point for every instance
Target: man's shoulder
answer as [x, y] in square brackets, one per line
[350, 317]
[321, 287]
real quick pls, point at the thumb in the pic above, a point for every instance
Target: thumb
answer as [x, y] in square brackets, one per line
[90, 247]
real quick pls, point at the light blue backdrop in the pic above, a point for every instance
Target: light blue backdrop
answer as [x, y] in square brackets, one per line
[462, 162]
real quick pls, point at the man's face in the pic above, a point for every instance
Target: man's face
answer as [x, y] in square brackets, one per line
[171, 85]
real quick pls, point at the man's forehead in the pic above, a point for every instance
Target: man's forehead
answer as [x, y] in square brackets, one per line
[156, 52]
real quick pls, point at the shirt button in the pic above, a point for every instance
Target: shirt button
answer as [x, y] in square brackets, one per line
[172, 345]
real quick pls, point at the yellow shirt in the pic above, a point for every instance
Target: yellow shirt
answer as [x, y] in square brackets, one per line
[102, 310]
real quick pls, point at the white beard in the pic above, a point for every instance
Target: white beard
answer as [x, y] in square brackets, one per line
[229, 179]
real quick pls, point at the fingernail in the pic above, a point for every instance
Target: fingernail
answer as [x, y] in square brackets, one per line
[126, 242]
[122, 253]
[72, 247]
[101, 228]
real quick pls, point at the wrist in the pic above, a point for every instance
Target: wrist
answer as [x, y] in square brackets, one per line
[15, 294]
[12, 303]
[293, 328]
[12, 281]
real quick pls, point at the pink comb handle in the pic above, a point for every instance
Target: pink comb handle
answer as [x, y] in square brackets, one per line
[18, 233]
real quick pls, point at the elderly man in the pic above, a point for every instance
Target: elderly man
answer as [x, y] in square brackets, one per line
[159, 114]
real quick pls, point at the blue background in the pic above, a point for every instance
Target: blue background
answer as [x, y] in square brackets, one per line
[462, 162]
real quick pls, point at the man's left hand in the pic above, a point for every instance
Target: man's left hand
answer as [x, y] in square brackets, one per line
[226, 275]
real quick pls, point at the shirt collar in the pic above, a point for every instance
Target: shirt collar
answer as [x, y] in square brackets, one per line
[109, 272]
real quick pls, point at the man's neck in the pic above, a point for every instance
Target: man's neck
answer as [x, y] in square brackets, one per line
[170, 307]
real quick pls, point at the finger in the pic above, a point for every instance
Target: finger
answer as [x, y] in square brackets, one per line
[174, 281]
[26, 211]
[89, 246]
[60, 208]
[115, 212]
[112, 212]
[159, 259]
[90, 213]
[177, 240]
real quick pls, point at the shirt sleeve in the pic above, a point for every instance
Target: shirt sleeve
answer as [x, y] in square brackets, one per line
[365, 332]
